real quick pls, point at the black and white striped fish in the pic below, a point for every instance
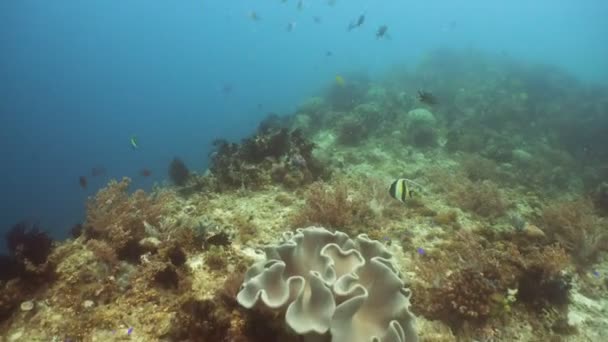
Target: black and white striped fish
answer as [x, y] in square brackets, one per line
[402, 188]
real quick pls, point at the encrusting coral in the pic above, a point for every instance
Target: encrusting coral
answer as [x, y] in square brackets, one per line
[330, 283]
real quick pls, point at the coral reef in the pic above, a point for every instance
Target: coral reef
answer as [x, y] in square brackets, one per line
[473, 289]
[28, 244]
[269, 157]
[575, 226]
[339, 283]
[511, 159]
[334, 206]
[123, 220]
[178, 172]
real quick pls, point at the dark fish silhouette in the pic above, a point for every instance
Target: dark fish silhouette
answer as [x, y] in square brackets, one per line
[82, 180]
[381, 31]
[145, 173]
[98, 171]
[357, 23]
[426, 97]
[227, 88]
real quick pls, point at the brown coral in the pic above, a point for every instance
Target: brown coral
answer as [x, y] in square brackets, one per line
[334, 206]
[119, 218]
[468, 283]
[575, 226]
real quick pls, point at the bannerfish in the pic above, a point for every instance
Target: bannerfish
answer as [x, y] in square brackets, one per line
[401, 189]
[134, 143]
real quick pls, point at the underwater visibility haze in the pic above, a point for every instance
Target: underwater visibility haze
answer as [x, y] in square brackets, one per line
[446, 161]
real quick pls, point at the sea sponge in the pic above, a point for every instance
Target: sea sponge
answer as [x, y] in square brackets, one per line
[333, 284]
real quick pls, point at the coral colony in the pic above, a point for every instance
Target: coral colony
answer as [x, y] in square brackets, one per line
[464, 211]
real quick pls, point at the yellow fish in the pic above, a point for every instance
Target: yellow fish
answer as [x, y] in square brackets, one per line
[340, 81]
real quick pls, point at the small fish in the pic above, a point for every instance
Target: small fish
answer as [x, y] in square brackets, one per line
[82, 180]
[227, 88]
[356, 23]
[98, 171]
[596, 273]
[316, 19]
[340, 81]
[400, 189]
[421, 251]
[328, 53]
[145, 173]
[300, 5]
[134, 143]
[129, 331]
[291, 26]
[381, 32]
[426, 97]
[331, 2]
[253, 15]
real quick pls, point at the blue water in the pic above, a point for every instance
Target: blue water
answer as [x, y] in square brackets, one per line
[79, 78]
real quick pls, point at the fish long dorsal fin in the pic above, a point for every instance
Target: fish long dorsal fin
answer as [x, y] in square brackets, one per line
[409, 181]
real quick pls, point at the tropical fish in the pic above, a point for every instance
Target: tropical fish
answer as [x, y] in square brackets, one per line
[134, 143]
[421, 251]
[145, 173]
[401, 189]
[82, 180]
[291, 26]
[357, 23]
[316, 19]
[381, 32]
[300, 5]
[340, 81]
[426, 97]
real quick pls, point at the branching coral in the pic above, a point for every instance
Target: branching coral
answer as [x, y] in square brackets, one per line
[330, 283]
[469, 284]
[120, 219]
[575, 226]
[334, 206]
[483, 198]
[272, 156]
